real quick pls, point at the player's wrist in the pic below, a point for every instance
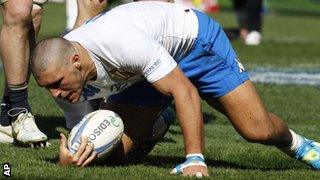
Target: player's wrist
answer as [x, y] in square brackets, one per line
[194, 159]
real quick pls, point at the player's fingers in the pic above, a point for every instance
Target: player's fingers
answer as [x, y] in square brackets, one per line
[93, 156]
[63, 142]
[82, 147]
[198, 171]
[85, 154]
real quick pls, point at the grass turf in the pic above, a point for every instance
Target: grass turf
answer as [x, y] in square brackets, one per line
[290, 40]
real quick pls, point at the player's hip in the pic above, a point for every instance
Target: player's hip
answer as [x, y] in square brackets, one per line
[212, 64]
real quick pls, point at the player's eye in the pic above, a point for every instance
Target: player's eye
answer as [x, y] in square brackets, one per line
[55, 85]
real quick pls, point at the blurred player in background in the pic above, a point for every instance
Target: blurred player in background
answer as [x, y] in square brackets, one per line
[144, 54]
[87, 9]
[21, 24]
[208, 6]
[249, 15]
[71, 13]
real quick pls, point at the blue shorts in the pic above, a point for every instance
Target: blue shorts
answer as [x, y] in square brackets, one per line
[211, 65]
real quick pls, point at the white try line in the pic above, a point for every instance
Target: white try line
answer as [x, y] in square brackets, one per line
[282, 76]
[286, 76]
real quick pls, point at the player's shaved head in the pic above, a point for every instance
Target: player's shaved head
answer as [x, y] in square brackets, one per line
[51, 52]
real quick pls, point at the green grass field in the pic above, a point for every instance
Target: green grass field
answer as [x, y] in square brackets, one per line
[291, 39]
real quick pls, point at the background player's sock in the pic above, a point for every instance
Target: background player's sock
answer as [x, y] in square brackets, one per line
[18, 97]
[5, 119]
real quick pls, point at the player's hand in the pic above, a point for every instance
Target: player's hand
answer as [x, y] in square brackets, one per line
[82, 157]
[193, 166]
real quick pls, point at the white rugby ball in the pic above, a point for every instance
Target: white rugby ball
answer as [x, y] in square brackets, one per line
[103, 128]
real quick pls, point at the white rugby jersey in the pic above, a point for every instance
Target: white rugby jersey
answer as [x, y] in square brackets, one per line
[135, 41]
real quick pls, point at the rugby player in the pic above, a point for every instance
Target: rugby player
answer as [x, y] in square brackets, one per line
[146, 53]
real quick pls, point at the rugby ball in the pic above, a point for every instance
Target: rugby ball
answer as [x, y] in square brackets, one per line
[103, 128]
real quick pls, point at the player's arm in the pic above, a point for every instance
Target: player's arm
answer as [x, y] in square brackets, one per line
[187, 103]
[188, 107]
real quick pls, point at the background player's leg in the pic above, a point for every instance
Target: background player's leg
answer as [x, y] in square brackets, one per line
[71, 12]
[16, 41]
[88, 9]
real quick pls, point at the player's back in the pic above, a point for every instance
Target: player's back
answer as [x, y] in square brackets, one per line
[152, 16]
[174, 26]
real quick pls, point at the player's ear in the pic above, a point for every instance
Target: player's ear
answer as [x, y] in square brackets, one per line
[75, 60]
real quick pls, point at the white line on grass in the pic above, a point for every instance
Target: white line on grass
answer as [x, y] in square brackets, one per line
[282, 76]
[286, 76]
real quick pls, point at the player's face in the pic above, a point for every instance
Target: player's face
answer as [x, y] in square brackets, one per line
[65, 83]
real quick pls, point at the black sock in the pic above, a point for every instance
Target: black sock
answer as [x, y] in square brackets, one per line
[254, 11]
[18, 97]
[5, 119]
